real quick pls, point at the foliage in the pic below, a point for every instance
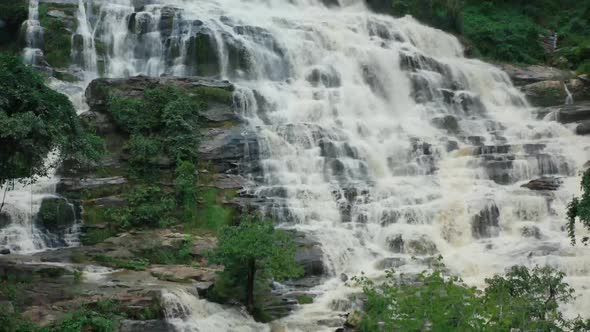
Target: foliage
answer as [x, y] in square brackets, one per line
[137, 265]
[253, 252]
[35, 121]
[185, 186]
[431, 302]
[524, 299]
[579, 208]
[443, 14]
[84, 320]
[146, 206]
[502, 30]
[527, 299]
[179, 254]
[162, 125]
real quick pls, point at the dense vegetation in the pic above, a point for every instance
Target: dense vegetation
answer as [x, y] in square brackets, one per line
[253, 253]
[579, 209]
[523, 299]
[35, 121]
[502, 30]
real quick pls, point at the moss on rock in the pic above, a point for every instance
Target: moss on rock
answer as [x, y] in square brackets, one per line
[56, 213]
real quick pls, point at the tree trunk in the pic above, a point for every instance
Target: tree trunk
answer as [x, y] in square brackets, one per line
[250, 285]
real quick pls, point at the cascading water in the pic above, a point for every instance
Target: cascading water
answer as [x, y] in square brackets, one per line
[32, 53]
[377, 137]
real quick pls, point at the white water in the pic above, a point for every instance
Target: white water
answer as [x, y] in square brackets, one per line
[343, 102]
[569, 99]
[187, 313]
[33, 35]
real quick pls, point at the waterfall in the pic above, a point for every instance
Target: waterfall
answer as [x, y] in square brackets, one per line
[569, 99]
[32, 53]
[84, 49]
[377, 138]
[187, 313]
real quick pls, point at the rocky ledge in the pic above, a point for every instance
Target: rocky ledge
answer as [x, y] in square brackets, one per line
[548, 86]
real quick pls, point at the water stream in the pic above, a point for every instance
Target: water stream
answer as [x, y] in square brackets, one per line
[377, 138]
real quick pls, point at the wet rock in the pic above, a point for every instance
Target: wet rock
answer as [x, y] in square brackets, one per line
[486, 223]
[390, 263]
[56, 213]
[77, 184]
[101, 123]
[326, 76]
[219, 113]
[4, 251]
[230, 149]
[571, 113]
[535, 73]
[354, 318]
[448, 123]
[545, 93]
[202, 54]
[396, 244]
[583, 128]
[544, 183]
[309, 254]
[5, 219]
[167, 16]
[182, 273]
[146, 325]
[531, 231]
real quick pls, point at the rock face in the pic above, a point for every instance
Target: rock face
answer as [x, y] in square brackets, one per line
[546, 86]
[486, 223]
[544, 183]
[535, 73]
[56, 214]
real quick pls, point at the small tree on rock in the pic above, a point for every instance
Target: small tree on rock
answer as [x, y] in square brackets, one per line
[251, 253]
[579, 208]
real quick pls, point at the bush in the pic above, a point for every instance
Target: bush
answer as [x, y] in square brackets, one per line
[523, 299]
[162, 125]
[36, 120]
[252, 253]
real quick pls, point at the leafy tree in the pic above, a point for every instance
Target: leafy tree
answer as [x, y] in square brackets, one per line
[256, 251]
[524, 299]
[430, 302]
[35, 121]
[579, 208]
[527, 299]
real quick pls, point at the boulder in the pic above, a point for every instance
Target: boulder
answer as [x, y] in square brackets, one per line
[535, 73]
[583, 128]
[571, 113]
[485, 224]
[5, 219]
[182, 273]
[56, 213]
[544, 183]
[309, 254]
[545, 93]
[531, 231]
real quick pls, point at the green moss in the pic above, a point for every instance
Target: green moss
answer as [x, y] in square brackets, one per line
[216, 94]
[56, 213]
[304, 299]
[98, 235]
[137, 265]
[212, 214]
[57, 37]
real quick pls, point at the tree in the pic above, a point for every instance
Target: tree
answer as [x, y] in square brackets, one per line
[579, 208]
[34, 121]
[256, 251]
[524, 299]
